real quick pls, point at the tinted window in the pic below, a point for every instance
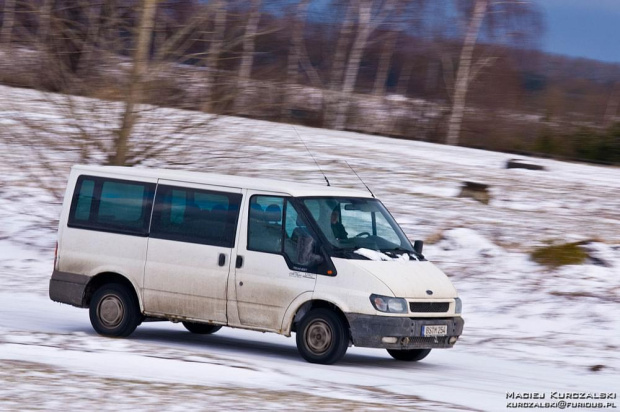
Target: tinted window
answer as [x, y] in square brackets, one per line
[275, 226]
[265, 224]
[121, 203]
[195, 216]
[85, 200]
[301, 244]
[111, 205]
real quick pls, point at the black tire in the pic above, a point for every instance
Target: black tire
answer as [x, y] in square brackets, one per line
[114, 311]
[411, 355]
[201, 328]
[322, 337]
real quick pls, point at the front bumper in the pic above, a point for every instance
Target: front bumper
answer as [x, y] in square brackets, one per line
[368, 331]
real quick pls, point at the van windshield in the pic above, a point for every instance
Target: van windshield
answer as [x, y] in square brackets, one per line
[351, 224]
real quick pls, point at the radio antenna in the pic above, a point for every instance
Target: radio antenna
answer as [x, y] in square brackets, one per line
[317, 163]
[358, 176]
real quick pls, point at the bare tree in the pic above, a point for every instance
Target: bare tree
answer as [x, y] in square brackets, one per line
[342, 45]
[463, 73]
[215, 49]
[371, 14]
[503, 14]
[405, 76]
[247, 58]
[611, 109]
[297, 56]
[8, 22]
[384, 63]
[120, 129]
[140, 65]
[45, 18]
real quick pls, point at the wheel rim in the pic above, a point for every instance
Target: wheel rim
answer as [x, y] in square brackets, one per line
[319, 337]
[111, 311]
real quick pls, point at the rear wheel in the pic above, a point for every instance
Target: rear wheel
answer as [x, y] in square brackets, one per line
[322, 337]
[201, 328]
[114, 311]
[411, 355]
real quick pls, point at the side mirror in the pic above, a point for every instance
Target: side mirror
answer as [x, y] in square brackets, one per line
[418, 245]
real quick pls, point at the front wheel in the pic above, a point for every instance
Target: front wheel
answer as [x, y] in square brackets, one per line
[411, 355]
[201, 328]
[114, 311]
[322, 337]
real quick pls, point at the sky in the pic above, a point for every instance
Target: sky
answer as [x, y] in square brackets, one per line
[582, 28]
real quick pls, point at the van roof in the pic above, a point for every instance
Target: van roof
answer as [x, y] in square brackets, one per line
[269, 185]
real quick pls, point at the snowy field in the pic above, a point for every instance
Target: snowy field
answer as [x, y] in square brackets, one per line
[529, 328]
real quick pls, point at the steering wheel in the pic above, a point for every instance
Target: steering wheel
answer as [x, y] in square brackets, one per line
[363, 234]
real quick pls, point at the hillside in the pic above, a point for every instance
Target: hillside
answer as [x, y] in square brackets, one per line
[521, 316]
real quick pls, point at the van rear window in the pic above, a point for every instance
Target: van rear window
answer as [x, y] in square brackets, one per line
[112, 205]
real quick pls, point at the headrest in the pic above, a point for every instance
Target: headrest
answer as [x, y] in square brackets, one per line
[273, 213]
[256, 211]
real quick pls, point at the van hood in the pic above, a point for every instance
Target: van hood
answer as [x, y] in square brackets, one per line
[410, 279]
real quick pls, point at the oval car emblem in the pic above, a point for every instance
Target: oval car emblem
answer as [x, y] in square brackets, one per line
[429, 292]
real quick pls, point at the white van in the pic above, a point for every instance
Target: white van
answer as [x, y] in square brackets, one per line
[207, 250]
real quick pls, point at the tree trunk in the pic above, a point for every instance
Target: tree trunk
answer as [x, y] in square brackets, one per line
[136, 89]
[340, 56]
[404, 77]
[384, 64]
[338, 64]
[215, 49]
[353, 65]
[294, 55]
[247, 59]
[94, 18]
[45, 22]
[8, 21]
[612, 106]
[463, 73]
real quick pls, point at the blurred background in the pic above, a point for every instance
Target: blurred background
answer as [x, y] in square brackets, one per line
[516, 76]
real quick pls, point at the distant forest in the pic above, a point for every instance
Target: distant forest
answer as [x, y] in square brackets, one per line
[463, 72]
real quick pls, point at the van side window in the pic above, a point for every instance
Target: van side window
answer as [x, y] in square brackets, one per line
[84, 200]
[301, 245]
[111, 205]
[265, 224]
[274, 226]
[195, 216]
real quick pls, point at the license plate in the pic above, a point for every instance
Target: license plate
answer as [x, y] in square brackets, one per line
[434, 330]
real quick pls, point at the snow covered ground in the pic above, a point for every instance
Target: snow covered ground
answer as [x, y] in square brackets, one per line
[529, 328]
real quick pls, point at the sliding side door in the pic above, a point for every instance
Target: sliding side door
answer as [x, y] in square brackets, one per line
[189, 251]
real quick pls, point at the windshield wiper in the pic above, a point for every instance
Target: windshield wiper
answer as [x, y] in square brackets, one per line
[346, 252]
[402, 250]
[397, 249]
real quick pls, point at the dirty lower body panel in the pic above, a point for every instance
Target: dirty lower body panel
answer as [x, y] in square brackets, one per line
[403, 333]
[68, 288]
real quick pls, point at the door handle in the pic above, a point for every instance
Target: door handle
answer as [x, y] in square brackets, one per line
[222, 259]
[239, 262]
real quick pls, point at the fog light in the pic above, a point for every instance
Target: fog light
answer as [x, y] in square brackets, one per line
[389, 339]
[453, 340]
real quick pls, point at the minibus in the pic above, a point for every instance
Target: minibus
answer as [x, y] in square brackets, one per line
[329, 264]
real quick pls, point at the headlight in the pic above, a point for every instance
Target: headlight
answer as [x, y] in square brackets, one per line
[458, 305]
[388, 304]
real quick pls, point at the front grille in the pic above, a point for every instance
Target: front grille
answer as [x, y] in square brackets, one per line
[429, 307]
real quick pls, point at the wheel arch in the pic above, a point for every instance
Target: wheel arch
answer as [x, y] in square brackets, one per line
[105, 278]
[309, 305]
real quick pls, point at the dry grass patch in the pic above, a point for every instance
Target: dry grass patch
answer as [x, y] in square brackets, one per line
[560, 255]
